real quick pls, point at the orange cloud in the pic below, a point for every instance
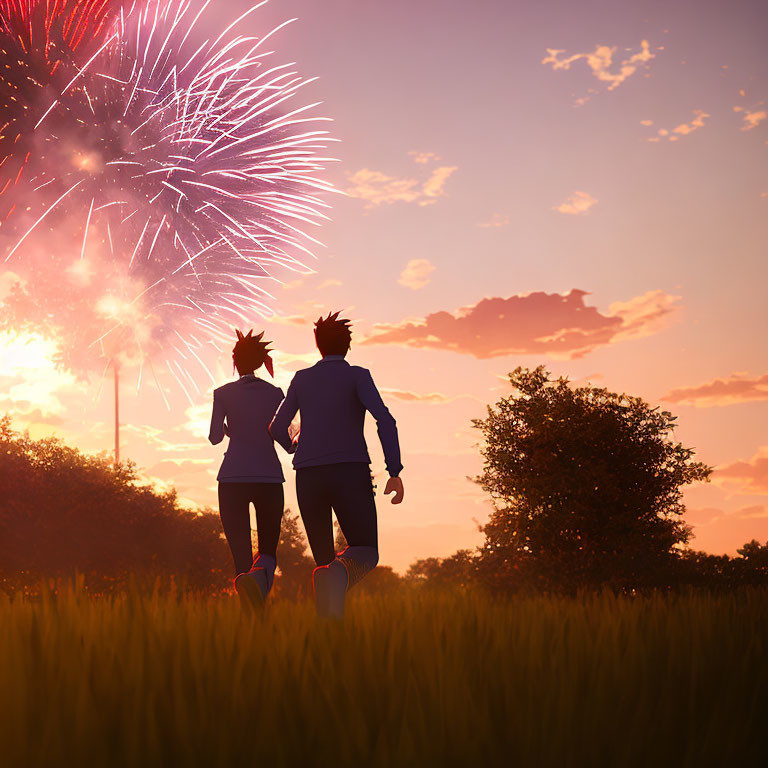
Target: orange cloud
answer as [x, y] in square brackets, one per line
[737, 388]
[601, 61]
[558, 325]
[423, 157]
[278, 319]
[751, 117]
[644, 315]
[746, 476]
[417, 397]
[698, 122]
[376, 188]
[497, 220]
[416, 274]
[683, 129]
[434, 186]
[577, 204]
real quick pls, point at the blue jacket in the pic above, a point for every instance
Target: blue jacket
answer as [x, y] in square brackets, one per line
[248, 406]
[332, 397]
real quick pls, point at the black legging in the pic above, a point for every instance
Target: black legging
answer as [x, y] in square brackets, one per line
[234, 502]
[347, 488]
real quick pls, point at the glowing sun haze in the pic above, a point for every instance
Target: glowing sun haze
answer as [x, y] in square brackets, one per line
[582, 186]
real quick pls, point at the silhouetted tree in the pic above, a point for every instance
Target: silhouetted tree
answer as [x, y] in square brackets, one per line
[294, 578]
[458, 570]
[62, 511]
[718, 572]
[340, 540]
[586, 484]
[381, 580]
[755, 553]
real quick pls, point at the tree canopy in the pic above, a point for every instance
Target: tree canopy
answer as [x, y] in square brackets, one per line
[586, 485]
[294, 575]
[63, 511]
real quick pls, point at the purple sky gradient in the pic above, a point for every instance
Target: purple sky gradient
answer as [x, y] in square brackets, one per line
[680, 224]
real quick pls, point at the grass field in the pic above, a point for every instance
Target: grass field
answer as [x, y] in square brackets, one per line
[417, 679]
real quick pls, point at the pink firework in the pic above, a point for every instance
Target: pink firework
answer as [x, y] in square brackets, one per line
[192, 177]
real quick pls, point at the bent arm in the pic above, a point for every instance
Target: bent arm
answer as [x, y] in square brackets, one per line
[283, 418]
[386, 425]
[218, 428]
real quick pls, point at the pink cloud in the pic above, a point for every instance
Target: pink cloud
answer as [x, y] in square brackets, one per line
[720, 532]
[558, 325]
[746, 476]
[737, 388]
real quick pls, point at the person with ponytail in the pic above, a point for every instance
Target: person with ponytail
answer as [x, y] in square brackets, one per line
[250, 472]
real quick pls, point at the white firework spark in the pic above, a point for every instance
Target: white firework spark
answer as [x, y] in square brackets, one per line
[193, 181]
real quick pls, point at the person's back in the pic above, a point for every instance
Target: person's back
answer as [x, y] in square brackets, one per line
[333, 397]
[249, 405]
[250, 472]
[332, 461]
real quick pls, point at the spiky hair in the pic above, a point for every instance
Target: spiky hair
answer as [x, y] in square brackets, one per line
[333, 334]
[250, 352]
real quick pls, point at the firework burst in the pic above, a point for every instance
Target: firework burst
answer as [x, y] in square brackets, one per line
[42, 44]
[186, 177]
[53, 31]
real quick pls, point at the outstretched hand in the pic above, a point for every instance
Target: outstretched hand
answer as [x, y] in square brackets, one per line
[395, 485]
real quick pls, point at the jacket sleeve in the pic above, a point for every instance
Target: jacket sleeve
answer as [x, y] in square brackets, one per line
[218, 430]
[385, 422]
[283, 418]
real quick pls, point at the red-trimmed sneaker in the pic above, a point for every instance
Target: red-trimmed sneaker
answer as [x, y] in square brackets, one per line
[252, 589]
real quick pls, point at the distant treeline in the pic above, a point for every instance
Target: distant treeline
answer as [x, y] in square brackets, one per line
[586, 486]
[64, 514]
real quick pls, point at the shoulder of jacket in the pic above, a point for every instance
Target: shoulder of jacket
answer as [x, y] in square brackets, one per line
[273, 388]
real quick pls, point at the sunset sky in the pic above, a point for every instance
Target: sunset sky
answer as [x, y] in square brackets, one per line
[579, 185]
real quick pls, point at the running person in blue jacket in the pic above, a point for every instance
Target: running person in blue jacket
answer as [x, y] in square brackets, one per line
[332, 462]
[250, 472]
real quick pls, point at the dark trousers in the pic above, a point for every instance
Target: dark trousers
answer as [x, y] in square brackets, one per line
[348, 490]
[234, 502]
